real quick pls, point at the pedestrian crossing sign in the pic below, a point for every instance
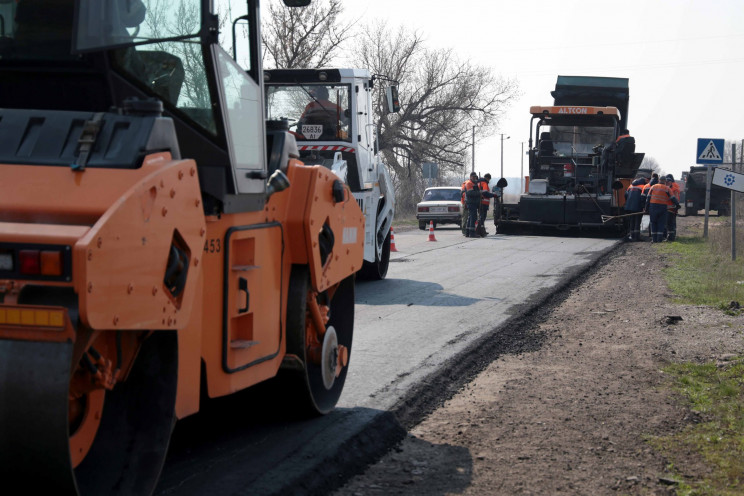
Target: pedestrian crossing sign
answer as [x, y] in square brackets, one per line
[709, 151]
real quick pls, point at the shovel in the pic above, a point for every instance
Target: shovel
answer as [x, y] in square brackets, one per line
[606, 218]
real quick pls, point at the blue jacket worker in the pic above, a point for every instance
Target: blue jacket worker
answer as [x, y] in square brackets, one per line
[635, 203]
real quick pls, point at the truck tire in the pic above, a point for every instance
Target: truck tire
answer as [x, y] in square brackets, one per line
[377, 270]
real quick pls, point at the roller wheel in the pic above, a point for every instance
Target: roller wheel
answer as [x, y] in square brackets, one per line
[309, 383]
[377, 270]
[58, 441]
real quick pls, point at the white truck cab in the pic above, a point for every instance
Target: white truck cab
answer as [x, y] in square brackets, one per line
[330, 112]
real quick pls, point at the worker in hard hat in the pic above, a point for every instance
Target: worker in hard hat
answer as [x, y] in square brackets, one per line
[656, 206]
[671, 222]
[634, 205]
[486, 195]
[472, 201]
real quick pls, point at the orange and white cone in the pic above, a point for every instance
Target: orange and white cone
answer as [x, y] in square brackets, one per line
[431, 231]
[392, 240]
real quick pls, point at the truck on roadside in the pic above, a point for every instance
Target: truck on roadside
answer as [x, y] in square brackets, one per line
[331, 114]
[694, 192]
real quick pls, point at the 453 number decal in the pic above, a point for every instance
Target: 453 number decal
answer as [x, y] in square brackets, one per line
[213, 245]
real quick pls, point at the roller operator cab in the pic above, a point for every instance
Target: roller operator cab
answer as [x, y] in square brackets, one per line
[331, 114]
[577, 176]
[157, 243]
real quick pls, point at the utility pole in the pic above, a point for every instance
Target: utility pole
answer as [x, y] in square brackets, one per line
[472, 155]
[733, 206]
[502, 153]
[521, 171]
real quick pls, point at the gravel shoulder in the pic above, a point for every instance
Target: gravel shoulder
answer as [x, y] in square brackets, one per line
[569, 416]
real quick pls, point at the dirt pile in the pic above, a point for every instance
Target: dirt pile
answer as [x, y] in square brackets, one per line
[572, 416]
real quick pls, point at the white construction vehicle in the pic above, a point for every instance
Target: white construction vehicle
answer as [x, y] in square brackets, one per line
[331, 115]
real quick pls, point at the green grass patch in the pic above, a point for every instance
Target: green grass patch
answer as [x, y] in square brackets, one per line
[703, 273]
[714, 393]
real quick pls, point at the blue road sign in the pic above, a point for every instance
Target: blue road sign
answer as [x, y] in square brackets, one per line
[430, 170]
[709, 151]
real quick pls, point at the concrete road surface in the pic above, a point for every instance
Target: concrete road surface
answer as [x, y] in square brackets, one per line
[441, 296]
[440, 300]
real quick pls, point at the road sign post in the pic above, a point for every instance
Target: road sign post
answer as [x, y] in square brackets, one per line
[708, 179]
[430, 170]
[733, 206]
[709, 152]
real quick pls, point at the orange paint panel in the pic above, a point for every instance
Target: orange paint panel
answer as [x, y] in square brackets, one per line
[49, 234]
[345, 220]
[119, 265]
[49, 194]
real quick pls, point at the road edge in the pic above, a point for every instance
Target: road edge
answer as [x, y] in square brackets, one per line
[383, 430]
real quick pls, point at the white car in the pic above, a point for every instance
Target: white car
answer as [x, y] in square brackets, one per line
[440, 205]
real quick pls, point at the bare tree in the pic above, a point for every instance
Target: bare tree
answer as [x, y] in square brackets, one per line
[727, 158]
[441, 98]
[306, 37]
[650, 162]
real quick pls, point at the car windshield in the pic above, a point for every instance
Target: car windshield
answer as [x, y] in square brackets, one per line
[314, 112]
[442, 195]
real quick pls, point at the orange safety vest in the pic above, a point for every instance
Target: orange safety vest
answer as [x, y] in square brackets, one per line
[469, 185]
[674, 188]
[645, 189]
[660, 194]
[462, 193]
[639, 187]
[483, 185]
[621, 137]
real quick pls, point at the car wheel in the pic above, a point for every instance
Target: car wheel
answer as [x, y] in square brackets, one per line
[422, 225]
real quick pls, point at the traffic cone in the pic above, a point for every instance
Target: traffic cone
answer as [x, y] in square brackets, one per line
[392, 240]
[431, 231]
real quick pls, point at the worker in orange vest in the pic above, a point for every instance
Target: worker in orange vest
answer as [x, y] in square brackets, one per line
[656, 206]
[644, 192]
[472, 202]
[486, 195]
[670, 233]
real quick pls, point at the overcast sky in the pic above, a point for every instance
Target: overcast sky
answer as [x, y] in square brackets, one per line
[684, 59]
